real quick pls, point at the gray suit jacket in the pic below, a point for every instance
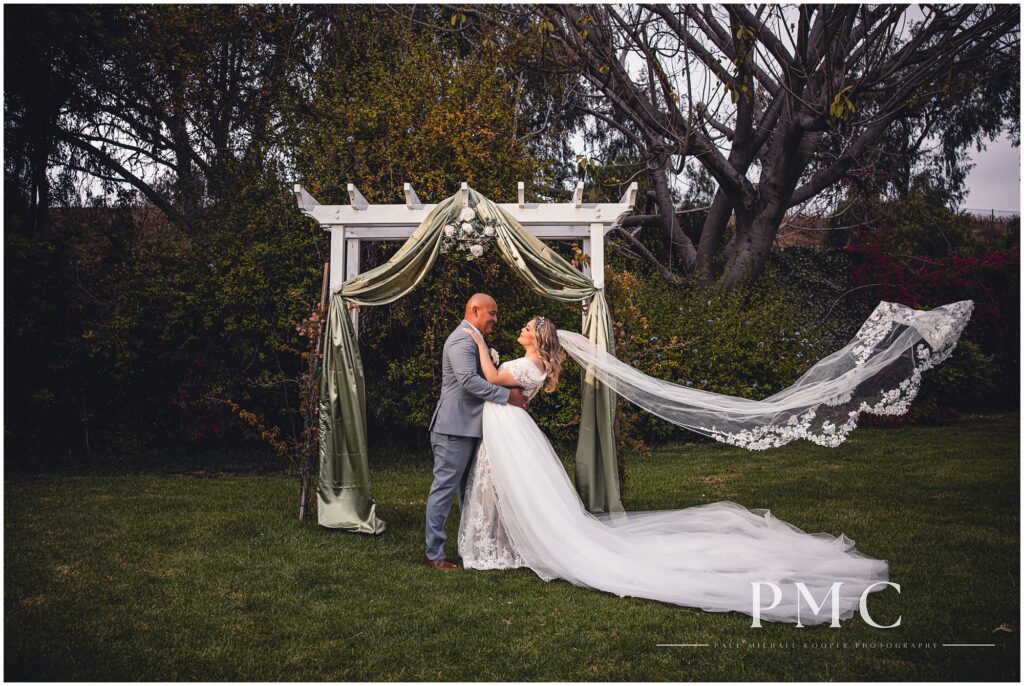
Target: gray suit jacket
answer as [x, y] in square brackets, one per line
[463, 388]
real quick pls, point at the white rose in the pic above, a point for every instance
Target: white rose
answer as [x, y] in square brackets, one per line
[476, 250]
[488, 230]
[449, 230]
[494, 357]
[468, 214]
[467, 228]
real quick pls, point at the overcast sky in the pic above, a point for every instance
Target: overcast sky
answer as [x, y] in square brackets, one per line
[994, 183]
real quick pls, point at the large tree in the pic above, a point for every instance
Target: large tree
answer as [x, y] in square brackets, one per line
[417, 100]
[146, 324]
[777, 103]
[166, 101]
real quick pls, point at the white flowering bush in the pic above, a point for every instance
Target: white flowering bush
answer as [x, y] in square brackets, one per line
[468, 234]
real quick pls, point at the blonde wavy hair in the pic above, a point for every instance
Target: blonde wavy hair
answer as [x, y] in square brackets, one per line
[545, 334]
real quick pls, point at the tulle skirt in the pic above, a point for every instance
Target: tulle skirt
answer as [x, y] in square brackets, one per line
[715, 557]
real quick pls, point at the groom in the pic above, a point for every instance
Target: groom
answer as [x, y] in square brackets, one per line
[455, 427]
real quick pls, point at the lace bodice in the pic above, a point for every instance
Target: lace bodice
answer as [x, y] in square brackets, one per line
[526, 375]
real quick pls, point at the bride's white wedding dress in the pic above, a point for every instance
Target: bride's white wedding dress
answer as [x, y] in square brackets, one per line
[521, 510]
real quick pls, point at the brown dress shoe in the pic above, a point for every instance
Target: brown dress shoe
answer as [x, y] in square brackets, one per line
[443, 565]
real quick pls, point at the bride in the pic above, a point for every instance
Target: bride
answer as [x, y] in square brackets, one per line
[521, 510]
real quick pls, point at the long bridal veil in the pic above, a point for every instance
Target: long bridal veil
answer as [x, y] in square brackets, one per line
[718, 556]
[878, 372]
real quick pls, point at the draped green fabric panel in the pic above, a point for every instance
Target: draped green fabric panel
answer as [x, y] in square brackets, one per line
[407, 267]
[597, 478]
[344, 496]
[547, 272]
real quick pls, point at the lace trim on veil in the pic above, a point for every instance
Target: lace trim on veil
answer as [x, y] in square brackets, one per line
[869, 374]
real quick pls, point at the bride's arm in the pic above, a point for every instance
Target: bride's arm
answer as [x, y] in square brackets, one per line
[491, 373]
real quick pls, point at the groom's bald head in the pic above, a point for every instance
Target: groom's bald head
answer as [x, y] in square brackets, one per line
[482, 312]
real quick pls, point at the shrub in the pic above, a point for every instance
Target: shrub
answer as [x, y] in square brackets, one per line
[991, 278]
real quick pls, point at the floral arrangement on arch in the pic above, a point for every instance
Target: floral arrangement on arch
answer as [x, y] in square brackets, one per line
[469, 234]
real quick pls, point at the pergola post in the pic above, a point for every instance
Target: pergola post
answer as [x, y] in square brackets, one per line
[597, 254]
[337, 257]
[352, 270]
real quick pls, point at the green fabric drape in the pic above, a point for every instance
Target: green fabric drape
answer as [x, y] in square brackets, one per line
[344, 494]
[344, 498]
[597, 472]
[547, 272]
[407, 267]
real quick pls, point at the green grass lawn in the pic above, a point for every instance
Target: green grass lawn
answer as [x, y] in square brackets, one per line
[164, 577]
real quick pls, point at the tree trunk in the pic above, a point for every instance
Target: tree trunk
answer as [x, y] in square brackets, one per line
[304, 495]
[667, 210]
[39, 159]
[711, 237]
[187, 183]
[750, 251]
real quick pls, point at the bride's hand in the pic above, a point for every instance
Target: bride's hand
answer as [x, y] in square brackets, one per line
[474, 334]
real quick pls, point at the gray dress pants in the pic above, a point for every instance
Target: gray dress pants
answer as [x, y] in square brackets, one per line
[452, 456]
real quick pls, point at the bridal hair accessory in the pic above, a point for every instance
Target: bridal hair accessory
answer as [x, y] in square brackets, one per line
[467, 233]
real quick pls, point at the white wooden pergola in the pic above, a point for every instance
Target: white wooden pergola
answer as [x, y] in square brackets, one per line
[360, 221]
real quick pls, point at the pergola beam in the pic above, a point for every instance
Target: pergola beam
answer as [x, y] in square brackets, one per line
[394, 232]
[412, 212]
[577, 194]
[356, 199]
[360, 221]
[629, 197]
[412, 201]
[305, 201]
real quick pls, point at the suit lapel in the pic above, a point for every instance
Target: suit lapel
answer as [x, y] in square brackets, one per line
[465, 323]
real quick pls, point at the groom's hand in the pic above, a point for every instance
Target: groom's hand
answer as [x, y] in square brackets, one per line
[516, 397]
